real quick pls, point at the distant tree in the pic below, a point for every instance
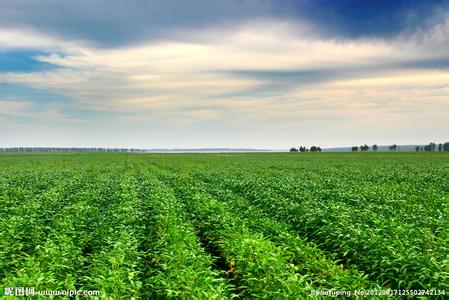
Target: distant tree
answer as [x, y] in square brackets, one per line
[364, 147]
[375, 148]
[417, 148]
[446, 146]
[440, 147]
[430, 147]
[315, 149]
[393, 147]
[302, 149]
[293, 149]
[355, 149]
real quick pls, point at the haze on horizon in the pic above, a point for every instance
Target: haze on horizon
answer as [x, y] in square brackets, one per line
[235, 74]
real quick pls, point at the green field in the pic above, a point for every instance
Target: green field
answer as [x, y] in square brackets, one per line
[224, 225]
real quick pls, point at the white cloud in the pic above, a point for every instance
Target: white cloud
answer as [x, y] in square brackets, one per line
[27, 38]
[26, 109]
[174, 81]
[14, 108]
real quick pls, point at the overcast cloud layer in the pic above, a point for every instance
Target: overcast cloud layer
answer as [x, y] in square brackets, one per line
[258, 74]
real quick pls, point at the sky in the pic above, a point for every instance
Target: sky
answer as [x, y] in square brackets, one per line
[223, 73]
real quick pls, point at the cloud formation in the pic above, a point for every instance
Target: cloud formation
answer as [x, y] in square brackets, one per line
[262, 70]
[115, 22]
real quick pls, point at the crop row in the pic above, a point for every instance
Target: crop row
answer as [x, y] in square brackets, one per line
[262, 256]
[317, 265]
[178, 266]
[224, 226]
[392, 250]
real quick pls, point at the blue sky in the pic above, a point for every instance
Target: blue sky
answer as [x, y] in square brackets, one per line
[252, 74]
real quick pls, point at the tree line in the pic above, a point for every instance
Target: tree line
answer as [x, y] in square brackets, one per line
[80, 150]
[374, 147]
[432, 147]
[305, 149]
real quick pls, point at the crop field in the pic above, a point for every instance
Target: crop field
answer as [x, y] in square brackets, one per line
[271, 225]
